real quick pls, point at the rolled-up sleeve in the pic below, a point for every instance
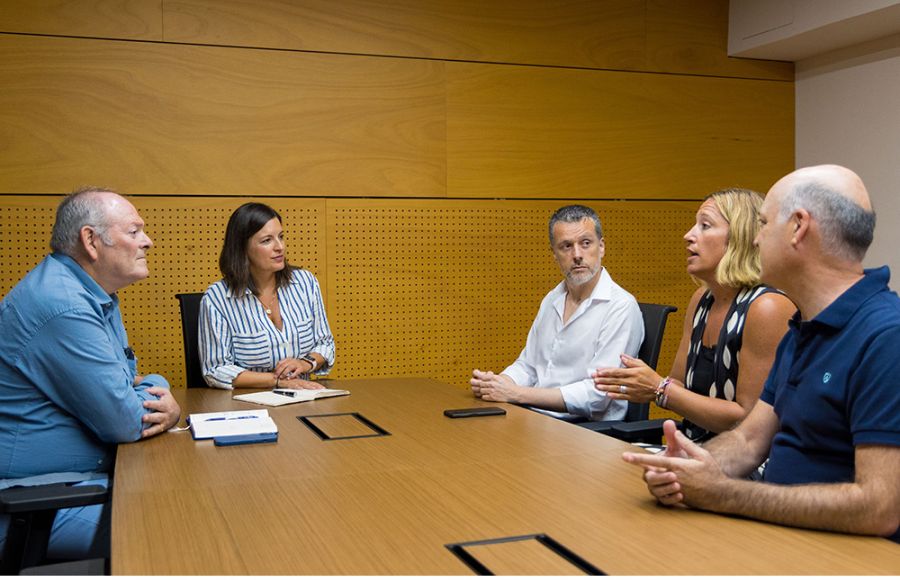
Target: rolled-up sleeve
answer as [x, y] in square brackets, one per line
[621, 332]
[216, 349]
[522, 371]
[324, 341]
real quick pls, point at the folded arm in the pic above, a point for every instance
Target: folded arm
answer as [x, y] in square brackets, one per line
[89, 377]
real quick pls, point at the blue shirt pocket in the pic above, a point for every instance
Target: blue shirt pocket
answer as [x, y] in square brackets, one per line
[252, 350]
[304, 335]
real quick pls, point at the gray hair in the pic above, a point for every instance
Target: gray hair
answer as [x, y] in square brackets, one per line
[846, 228]
[573, 214]
[80, 208]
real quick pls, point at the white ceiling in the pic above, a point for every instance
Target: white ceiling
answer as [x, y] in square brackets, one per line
[794, 30]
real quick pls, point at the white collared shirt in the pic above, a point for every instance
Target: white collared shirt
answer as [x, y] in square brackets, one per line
[603, 327]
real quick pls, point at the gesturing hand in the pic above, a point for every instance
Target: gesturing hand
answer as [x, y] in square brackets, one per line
[639, 380]
[686, 474]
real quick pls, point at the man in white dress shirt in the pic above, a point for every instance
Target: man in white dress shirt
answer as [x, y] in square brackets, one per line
[586, 322]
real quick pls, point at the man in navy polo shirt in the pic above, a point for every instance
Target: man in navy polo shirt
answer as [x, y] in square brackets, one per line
[829, 415]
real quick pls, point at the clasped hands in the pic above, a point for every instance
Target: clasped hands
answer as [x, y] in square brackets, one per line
[493, 387]
[683, 475]
[639, 381]
[287, 372]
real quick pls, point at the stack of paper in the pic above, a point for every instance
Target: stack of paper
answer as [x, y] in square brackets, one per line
[209, 425]
[287, 396]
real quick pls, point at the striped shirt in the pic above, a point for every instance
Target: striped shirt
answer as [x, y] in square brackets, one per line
[236, 335]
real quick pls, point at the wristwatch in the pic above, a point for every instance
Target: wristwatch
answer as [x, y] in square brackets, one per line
[311, 361]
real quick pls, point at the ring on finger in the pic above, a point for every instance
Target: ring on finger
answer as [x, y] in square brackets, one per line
[623, 389]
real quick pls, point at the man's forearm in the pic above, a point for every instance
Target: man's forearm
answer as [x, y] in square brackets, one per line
[550, 399]
[733, 452]
[841, 507]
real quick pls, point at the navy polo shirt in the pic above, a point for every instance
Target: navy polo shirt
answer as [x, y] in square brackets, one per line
[835, 384]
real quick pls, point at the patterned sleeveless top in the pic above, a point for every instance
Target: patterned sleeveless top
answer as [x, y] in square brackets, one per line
[713, 372]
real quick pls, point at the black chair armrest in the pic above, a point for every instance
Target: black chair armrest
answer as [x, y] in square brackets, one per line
[50, 497]
[95, 567]
[649, 431]
[604, 427]
[32, 510]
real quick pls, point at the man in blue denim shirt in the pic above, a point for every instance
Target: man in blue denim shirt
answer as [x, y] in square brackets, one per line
[69, 388]
[829, 415]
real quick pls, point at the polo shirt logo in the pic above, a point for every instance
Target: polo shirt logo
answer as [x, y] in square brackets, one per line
[826, 377]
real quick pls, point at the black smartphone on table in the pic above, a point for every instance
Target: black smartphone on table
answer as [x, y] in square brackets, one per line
[474, 412]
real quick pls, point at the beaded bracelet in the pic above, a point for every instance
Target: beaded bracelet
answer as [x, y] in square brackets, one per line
[662, 397]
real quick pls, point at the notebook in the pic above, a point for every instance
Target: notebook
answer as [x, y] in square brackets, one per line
[209, 425]
[280, 397]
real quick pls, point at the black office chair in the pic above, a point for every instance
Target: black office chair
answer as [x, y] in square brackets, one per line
[190, 322]
[636, 427]
[32, 511]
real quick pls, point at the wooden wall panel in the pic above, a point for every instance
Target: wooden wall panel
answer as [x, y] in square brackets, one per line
[125, 19]
[691, 37]
[437, 288]
[687, 36]
[430, 288]
[596, 33]
[320, 105]
[152, 118]
[541, 132]
[25, 225]
[187, 236]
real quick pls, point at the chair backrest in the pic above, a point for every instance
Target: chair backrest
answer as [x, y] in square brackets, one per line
[190, 322]
[655, 317]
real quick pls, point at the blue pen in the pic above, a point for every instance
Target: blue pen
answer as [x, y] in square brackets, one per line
[230, 418]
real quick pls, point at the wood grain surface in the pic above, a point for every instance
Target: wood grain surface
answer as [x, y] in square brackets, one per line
[157, 118]
[121, 19]
[388, 505]
[538, 133]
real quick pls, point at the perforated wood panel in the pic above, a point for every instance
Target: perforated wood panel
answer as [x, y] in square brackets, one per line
[25, 224]
[412, 288]
[438, 288]
[187, 234]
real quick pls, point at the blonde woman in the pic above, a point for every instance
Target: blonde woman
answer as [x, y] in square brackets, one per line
[732, 327]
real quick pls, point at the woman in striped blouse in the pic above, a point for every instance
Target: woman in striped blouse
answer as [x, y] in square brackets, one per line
[263, 325]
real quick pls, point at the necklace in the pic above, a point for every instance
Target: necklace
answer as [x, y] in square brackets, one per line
[268, 308]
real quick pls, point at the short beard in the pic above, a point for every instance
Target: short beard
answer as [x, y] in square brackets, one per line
[581, 279]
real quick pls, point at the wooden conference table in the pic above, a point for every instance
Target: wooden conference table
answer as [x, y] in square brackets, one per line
[364, 503]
